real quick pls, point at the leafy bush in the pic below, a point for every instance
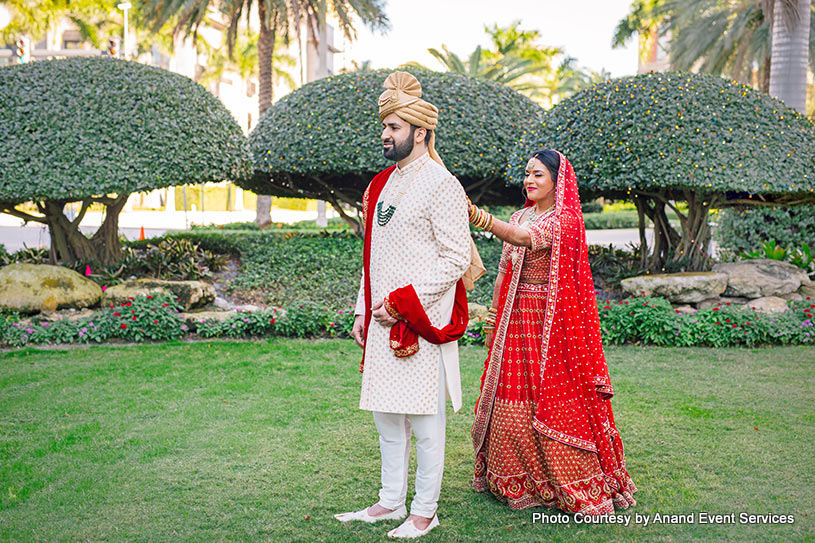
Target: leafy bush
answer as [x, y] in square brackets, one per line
[144, 318]
[325, 135]
[607, 220]
[300, 320]
[672, 130]
[745, 229]
[652, 320]
[28, 255]
[132, 127]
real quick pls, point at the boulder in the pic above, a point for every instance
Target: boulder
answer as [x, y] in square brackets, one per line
[807, 289]
[686, 287]
[191, 294]
[761, 277]
[131, 289]
[193, 318]
[477, 312]
[684, 309]
[792, 296]
[769, 304]
[710, 302]
[33, 288]
[222, 303]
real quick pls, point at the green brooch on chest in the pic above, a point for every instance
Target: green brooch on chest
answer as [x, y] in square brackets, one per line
[384, 217]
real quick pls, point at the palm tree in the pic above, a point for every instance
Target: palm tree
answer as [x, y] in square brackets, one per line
[277, 17]
[244, 61]
[726, 37]
[518, 61]
[790, 49]
[36, 18]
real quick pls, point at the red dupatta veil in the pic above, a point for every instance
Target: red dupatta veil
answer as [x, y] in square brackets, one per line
[573, 407]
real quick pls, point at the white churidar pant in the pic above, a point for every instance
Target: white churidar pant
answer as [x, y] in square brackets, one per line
[394, 445]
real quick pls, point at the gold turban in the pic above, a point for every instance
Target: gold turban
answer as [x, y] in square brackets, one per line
[403, 96]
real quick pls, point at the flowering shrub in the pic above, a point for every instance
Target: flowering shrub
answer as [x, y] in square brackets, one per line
[139, 319]
[652, 320]
[299, 320]
[638, 319]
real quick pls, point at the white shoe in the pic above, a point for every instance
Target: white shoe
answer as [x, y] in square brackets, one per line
[408, 530]
[363, 515]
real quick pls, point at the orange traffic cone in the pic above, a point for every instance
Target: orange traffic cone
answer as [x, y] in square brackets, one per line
[141, 233]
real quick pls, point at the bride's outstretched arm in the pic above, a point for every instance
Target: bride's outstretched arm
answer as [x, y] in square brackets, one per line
[505, 231]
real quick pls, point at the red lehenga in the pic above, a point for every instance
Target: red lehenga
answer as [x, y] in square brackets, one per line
[544, 432]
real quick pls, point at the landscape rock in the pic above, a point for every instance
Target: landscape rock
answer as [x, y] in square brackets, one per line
[794, 296]
[191, 294]
[34, 288]
[684, 309]
[807, 289]
[222, 303]
[769, 304]
[710, 302]
[478, 312]
[685, 287]
[194, 317]
[761, 277]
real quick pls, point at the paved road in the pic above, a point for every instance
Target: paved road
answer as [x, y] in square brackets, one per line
[18, 237]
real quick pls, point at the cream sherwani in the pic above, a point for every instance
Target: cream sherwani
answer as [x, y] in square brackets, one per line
[426, 244]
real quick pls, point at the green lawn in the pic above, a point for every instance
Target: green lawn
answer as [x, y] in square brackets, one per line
[229, 441]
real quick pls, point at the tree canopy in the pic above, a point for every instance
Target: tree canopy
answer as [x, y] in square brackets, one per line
[659, 138]
[97, 129]
[88, 126]
[323, 140]
[679, 131]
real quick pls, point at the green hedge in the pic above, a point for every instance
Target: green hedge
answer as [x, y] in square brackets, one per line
[280, 268]
[79, 127]
[745, 229]
[671, 130]
[329, 130]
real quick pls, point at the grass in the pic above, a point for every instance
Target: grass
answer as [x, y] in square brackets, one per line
[263, 441]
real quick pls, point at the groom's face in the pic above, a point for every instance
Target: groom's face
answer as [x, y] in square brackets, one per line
[397, 137]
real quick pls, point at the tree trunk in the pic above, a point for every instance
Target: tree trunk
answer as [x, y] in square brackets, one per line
[70, 246]
[764, 74]
[790, 53]
[641, 228]
[666, 238]
[691, 253]
[266, 39]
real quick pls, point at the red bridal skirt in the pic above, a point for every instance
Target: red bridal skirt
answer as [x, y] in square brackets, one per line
[519, 465]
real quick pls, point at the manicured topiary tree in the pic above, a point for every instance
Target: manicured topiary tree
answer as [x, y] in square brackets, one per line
[660, 138]
[323, 140]
[97, 129]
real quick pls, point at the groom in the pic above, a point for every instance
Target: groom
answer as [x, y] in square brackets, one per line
[412, 306]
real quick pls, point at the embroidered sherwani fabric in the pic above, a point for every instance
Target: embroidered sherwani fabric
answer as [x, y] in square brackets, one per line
[426, 243]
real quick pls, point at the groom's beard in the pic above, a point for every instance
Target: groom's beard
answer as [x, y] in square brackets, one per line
[399, 149]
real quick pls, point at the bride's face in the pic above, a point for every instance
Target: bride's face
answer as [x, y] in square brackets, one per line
[538, 181]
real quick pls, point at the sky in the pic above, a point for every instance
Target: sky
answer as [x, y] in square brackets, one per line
[583, 28]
